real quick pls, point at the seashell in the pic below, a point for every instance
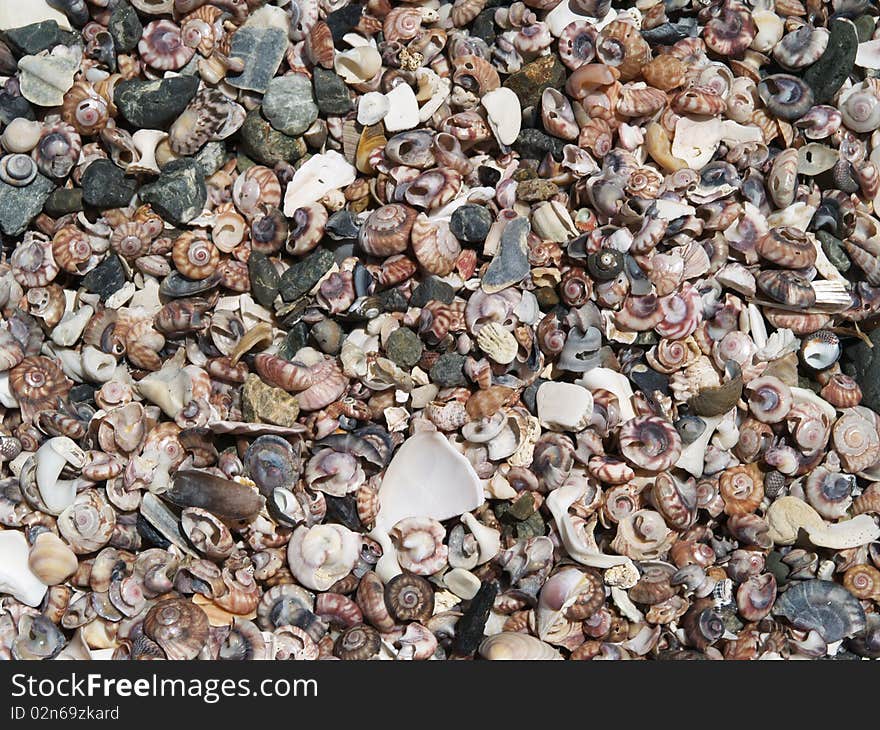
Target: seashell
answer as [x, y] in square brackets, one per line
[403, 109]
[821, 606]
[855, 440]
[409, 597]
[320, 45]
[16, 577]
[434, 246]
[57, 150]
[51, 560]
[475, 74]
[357, 643]
[730, 31]
[386, 231]
[564, 406]
[700, 100]
[51, 458]
[788, 247]
[178, 626]
[358, 65]
[636, 100]
[372, 108]
[787, 287]
[860, 108]
[195, 256]
[87, 524]
[318, 556]
[642, 535]
[43, 79]
[222, 497]
[21, 135]
[210, 115]
[84, 109]
[17, 170]
[650, 443]
[419, 544]
[516, 646]
[162, 46]
[841, 391]
[577, 44]
[742, 489]
[621, 46]
[498, 344]
[37, 383]
[504, 113]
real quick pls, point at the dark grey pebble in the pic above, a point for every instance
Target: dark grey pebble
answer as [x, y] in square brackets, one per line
[106, 278]
[19, 206]
[342, 226]
[303, 275]
[827, 75]
[265, 144]
[448, 371]
[328, 335]
[404, 347]
[12, 107]
[471, 223]
[331, 93]
[533, 144]
[511, 263]
[262, 50]
[264, 278]
[154, 104]
[125, 27]
[31, 39]
[104, 185]
[432, 289]
[344, 20]
[179, 193]
[62, 201]
[866, 369]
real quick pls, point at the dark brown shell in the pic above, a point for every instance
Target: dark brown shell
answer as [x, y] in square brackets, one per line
[786, 287]
[409, 597]
[787, 246]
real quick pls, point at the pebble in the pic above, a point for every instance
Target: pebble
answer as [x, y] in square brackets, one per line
[125, 27]
[264, 278]
[533, 144]
[12, 107]
[262, 50]
[404, 347]
[530, 81]
[62, 201]
[19, 206]
[536, 190]
[179, 193]
[448, 371]
[564, 406]
[484, 26]
[263, 403]
[344, 20]
[342, 226]
[833, 248]
[470, 223]
[331, 92]
[106, 278]
[303, 275]
[511, 263]
[828, 74]
[288, 104]
[328, 335]
[105, 185]
[865, 362]
[154, 104]
[391, 300]
[432, 289]
[469, 628]
[267, 145]
[36, 37]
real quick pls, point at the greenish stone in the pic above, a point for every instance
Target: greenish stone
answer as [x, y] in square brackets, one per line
[865, 362]
[331, 92]
[263, 403]
[211, 158]
[36, 37]
[288, 104]
[104, 185]
[303, 275]
[448, 371]
[773, 564]
[530, 81]
[62, 201]
[264, 278]
[432, 289]
[511, 263]
[547, 297]
[833, 248]
[262, 50]
[154, 104]
[523, 507]
[827, 75]
[533, 526]
[267, 145]
[865, 27]
[125, 27]
[404, 347]
[392, 300]
[19, 206]
[294, 341]
[179, 193]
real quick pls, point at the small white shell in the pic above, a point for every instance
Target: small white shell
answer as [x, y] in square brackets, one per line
[462, 583]
[498, 344]
[318, 556]
[403, 109]
[505, 114]
[16, 577]
[358, 65]
[372, 108]
[564, 406]
[21, 135]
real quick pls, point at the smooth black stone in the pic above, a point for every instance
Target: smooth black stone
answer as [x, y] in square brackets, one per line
[331, 93]
[866, 369]
[484, 26]
[105, 185]
[125, 27]
[471, 223]
[343, 21]
[469, 629]
[31, 39]
[62, 201]
[432, 289]
[488, 176]
[343, 511]
[530, 395]
[828, 74]
[106, 278]
[179, 193]
[154, 104]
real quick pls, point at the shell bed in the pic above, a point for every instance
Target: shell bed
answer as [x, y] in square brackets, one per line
[469, 330]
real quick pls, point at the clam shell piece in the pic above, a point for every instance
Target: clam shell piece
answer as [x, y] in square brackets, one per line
[564, 406]
[513, 646]
[45, 79]
[319, 175]
[505, 113]
[403, 109]
[822, 606]
[427, 478]
[222, 497]
[51, 560]
[16, 576]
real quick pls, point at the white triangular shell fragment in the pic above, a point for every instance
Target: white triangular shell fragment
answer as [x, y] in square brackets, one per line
[317, 177]
[19, 14]
[734, 133]
[403, 109]
[427, 478]
[868, 54]
[372, 108]
[616, 382]
[505, 113]
[669, 210]
[693, 456]
[564, 406]
[16, 577]
[695, 142]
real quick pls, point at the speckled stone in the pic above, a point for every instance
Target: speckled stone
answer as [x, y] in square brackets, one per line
[827, 75]
[19, 206]
[105, 185]
[62, 201]
[179, 193]
[265, 144]
[470, 627]
[865, 27]
[331, 92]
[833, 248]
[294, 340]
[12, 107]
[432, 289]
[448, 371]
[328, 335]
[470, 223]
[533, 144]
[404, 347]
[154, 104]
[288, 104]
[211, 157]
[392, 300]
[264, 278]
[262, 50]
[536, 190]
[530, 81]
[106, 278]
[511, 263]
[484, 26]
[125, 27]
[303, 275]
[263, 403]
